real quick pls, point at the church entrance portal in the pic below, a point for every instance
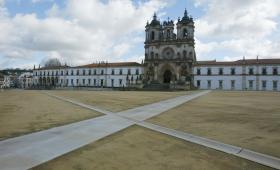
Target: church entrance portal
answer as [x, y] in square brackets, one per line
[167, 76]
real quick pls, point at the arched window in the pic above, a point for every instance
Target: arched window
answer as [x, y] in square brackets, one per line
[185, 54]
[190, 54]
[168, 34]
[185, 33]
[178, 55]
[153, 35]
[152, 55]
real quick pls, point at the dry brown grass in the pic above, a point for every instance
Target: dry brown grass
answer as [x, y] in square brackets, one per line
[23, 112]
[139, 148]
[247, 119]
[118, 100]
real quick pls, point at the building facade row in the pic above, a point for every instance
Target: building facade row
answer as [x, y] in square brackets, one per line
[5, 81]
[254, 74]
[93, 75]
[257, 74]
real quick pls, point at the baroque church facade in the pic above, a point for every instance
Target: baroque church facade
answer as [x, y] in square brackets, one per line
[170, 61]
[169, 56]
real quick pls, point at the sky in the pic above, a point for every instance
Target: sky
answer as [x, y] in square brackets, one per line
[85, 31]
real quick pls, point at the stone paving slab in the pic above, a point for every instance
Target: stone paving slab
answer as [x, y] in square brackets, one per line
[27, 151]
[260, 158]
[145, 112]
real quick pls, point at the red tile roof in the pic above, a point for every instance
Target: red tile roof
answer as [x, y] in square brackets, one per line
[52, 67]
[120, 64]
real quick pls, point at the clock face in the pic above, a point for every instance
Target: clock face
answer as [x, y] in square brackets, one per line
[168, 53]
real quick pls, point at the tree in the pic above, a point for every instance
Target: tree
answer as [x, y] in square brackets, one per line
[52, 62]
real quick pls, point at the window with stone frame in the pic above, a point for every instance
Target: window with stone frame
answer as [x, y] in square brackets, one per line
[184, 54]
[275, 84]
[221, 71]
[264, 71]
[263, 84]
[198, 71]
[101, 82]
[185, 33]
[275, 71]
[232, 71]
[209, 72]
[168, 34]
[221, 84]
[152, 35]
[209, 84]
[112, 82]
[198, 83]
[152, 55]
[251, 84]
[232, 84]
[190, 55]
[251, 71]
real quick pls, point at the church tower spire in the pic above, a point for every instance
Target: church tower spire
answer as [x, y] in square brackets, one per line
[186, 13]
[169, 57]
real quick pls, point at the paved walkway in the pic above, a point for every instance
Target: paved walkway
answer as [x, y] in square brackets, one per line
[27, 151]
[145, 112]
[139, 114]
[36, 148]
[230, 149]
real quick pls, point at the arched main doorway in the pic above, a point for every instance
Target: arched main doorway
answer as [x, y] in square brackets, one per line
[167, 76]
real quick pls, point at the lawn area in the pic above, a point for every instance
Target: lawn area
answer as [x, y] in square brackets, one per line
[140, 148]
[118, 100]
[23, 112]
[247, 119]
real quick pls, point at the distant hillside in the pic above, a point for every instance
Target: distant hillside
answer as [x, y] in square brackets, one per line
[16, 71]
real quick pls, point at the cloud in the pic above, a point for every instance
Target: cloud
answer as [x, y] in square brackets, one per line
[238, 27]
[38, 1]
[81, 32]
[2, 2]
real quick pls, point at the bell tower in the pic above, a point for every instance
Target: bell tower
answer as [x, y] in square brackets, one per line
[169, 57]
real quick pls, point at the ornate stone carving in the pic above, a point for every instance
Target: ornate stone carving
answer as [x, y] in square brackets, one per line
[168, 53]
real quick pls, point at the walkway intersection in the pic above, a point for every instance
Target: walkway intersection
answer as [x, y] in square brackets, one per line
[30, 150]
